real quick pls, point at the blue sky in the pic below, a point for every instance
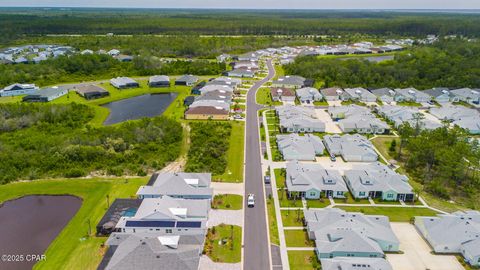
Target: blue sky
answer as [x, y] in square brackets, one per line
[259, 4]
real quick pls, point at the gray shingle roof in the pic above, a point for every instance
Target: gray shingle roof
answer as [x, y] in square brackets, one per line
[348, 145]
[302, 177]
[293, 146]
[355, 263]
[177, 184]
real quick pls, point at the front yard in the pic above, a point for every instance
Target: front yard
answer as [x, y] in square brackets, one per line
[224, 243]
[395, 214]
[227, 202]
[303, 260]
[298, 238]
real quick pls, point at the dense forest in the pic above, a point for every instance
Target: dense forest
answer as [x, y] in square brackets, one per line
[208, 147]
[37, 21]
[445, 64]
[43, 140]
[96, 67]
[446, 161]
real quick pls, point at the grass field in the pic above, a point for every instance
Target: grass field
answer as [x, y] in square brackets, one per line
[292, 218]
[265, 97]
[396, 214]
[324, 202]
[279, 178]
[285, 202]
[272, 222]
[224, 243]
[67, 251]
[298, 238]
[303, 260]
[227, 202]
[235, 155]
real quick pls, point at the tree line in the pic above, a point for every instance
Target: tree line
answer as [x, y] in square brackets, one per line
[453, 64]
[76, 68]
[53, 140]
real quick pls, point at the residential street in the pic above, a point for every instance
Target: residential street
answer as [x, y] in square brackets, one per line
[256, 245]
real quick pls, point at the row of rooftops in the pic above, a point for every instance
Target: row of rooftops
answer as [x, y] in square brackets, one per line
[167, 226]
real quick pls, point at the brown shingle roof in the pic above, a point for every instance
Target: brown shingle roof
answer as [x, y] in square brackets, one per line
[206, 110]
[285, 91]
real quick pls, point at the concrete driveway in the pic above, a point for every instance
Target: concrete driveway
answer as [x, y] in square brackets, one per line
[330, 125]
[334, 103]
[417, 254]
[230, 217]
[227, 188]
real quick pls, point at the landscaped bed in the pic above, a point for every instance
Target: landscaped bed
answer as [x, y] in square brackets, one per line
[224, 243]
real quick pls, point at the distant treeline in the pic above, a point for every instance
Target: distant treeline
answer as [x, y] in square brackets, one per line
[94, 21]
[96, 67]
[55, 140]
[446, 64]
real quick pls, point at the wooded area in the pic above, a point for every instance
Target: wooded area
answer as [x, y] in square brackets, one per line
[208, 147]
[44, 140]
[446, 64]
[94, 67]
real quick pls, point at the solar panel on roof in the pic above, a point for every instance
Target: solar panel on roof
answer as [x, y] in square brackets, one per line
[185, 224]
[161, 224]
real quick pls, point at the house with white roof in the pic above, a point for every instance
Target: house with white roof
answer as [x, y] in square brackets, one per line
[178, 185]
[123, 83]
[338, 233]
[167, 215]
[385, 95]
[334, 94]
[361, 94]
[289, 81]
[471, 96]
[213, 87]
[411, 94]
[312, 181]
[308, 95]
[358, 119]
[299, 119]
[461, 116]
[401, 114]
[351, 147]
[378, 181]
[458, 232]
[18, 89]
[296, 147]
[441, 95]
[227, 81]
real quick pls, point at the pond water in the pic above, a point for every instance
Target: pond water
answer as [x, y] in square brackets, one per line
[371, 58]
[29, 224]
[148, 105]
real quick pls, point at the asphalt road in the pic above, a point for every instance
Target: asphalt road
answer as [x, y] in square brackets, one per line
[256, 246]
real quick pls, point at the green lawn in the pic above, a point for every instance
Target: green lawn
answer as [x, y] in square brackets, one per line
[224, 243]
[265, 97]
[279, 72]
[285, 202]
[323, 202]
[350, 200]
[227, 202]
[272, 222]
[298, 238]
[383, 144]
[235, 155]
[396, 214]
[409, 104]
[303, 260]
[320, 103]
[292, 218]
[67, 251]
[356, 102]
[279, 177]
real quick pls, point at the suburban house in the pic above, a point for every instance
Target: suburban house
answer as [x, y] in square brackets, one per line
[296, 147]
[167, 215]
[233, 83]
[91, 91]
[361, 94]
[359, 119]
[18, 89]
[150, 250]
[459, 115]
[124, 58]
[308, 95]
[355, 263]
[458, 232]
[159, 81]
[401, 114]
[351, 147]
[411, 95]
[211, 103]
[338, 233]
[385, 95]
[378, 181]
[178, 185]
[251, 56]
[299, 119]
[441, 95]
[471, 96]
[334, 94]
[290, 81]
[118, 209]
[113, 52]
[223, 57]
[282, 94]
[123, 83]
[206, 113]
[213, 87]
[216, 95]
[312, 181]
[188, 80]
[46, 94]
[241, 73]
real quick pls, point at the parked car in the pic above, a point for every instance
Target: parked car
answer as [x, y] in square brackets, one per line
[266, 179]
[251, 200]
[333, 158]
[237, 116]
